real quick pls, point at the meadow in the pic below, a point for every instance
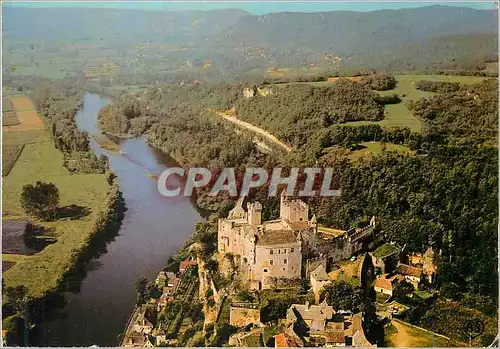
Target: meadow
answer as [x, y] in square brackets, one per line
[374, 148]
[40, 161]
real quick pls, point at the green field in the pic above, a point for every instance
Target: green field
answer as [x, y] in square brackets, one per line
[40, 161]
[405, 87]
[396, 115]
[373, 148]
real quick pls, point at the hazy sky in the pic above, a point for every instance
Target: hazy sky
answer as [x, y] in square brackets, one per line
[252, 6]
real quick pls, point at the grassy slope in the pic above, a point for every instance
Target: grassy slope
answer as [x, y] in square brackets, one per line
[41, 161]
[376, 148]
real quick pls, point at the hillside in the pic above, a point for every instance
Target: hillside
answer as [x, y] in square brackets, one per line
[154, 45]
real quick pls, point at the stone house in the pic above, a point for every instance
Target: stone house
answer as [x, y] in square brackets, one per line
[318, 278]
[413, 275]
[249, 92]
[266, 250]
[314, 316]
[135, 339]
[386, 284]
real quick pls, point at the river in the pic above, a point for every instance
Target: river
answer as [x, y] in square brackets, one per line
[153, 228]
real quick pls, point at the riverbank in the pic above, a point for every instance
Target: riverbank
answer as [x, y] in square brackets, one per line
[44, 273]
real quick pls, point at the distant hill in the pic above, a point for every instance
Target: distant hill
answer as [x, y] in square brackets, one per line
[55, 41]
[365, 36]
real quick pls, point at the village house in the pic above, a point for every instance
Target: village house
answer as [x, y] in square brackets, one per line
[355, 332]
[319, 279]
[185, 264]
[135, 339]
[327, 327]
[314, 316]
[162, 278]
[413, 275]
[162, 302]
[425, 261]
[266, 250]
[142, 324]
[386, 283]
[171, 286]
[160, 336]
[288, 339]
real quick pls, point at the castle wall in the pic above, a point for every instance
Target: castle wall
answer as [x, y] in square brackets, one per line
[313, 263]
[242, 316]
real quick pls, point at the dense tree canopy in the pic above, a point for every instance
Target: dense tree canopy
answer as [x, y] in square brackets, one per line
[40, 200]
[296, 111]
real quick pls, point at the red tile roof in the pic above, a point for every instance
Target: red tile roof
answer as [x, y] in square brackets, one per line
[409, 270]
[386, 282]
[185, 264]
[280, 341]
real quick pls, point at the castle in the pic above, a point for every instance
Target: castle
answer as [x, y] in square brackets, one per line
[267, 251]
[270, 253]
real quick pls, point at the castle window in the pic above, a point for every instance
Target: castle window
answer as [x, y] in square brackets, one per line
[292, 250]
[271, 262]
[284, 251]
[285, 261]
[300, 219]
[265, 270]
[245, 260]
[270, 251]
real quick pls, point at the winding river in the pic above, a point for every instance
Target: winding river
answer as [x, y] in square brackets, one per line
[153, 228]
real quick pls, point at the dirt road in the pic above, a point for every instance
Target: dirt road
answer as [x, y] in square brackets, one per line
[255, 129]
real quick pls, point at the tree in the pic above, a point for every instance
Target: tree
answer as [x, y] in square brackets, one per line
[17, 297]
[40, 200]
[402, 290]
[212, 266]
[140, 286]
[343, 296]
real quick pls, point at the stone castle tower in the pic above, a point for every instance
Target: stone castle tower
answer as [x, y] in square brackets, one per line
[293, 210]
